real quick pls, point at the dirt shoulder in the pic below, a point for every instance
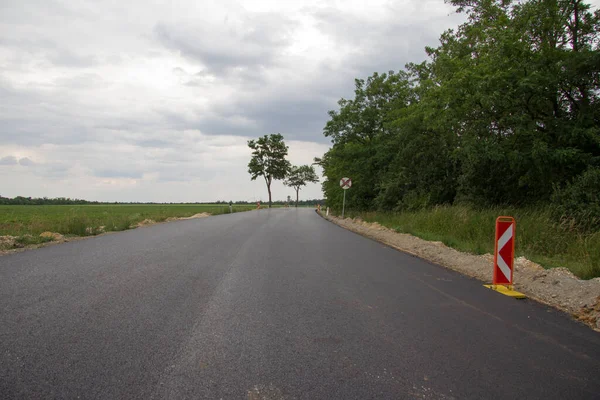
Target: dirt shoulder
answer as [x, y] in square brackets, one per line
[14, 244]
[556, 287]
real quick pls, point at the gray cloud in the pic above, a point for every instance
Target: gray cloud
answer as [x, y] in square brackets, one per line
[154, 143]
[248, 77]
[39, 116]
[81, 81]
[228, 48]
[380, 46]
[26, 162]
[174, 174]
[12, 160]
[8, 160]
[117, 173]
[66, 57]
[54, 170]
[300, 118]
[46, 50]
[13, 12]
[32, 117]
[298, 108]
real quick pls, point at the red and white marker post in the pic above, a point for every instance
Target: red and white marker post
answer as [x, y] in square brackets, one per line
[504, 257]
[504, 253]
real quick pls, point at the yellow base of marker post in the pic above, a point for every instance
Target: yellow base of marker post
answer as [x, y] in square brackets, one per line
[507, 291]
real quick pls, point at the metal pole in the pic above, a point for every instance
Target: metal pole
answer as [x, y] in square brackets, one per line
[344, 205]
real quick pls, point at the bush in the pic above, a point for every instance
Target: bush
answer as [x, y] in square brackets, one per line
[120, 224]
[577, 205]
[79, 225]
[75, 225]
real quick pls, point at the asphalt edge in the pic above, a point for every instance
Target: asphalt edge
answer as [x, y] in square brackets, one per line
[574, 316]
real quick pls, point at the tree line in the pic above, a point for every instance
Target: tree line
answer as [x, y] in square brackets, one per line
[39, 201]
[308, 202]
[20, 200]
[505, 111]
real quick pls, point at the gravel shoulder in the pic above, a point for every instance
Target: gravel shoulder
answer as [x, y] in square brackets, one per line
[556, 287]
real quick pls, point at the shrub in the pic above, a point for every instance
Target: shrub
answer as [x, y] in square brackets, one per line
[79, 225]
[577, 205]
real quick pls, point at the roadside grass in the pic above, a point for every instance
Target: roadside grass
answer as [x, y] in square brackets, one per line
[539, 238]
[27, 222]
[27, 240]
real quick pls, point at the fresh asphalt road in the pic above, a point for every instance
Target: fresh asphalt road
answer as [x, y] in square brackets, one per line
[272, 304]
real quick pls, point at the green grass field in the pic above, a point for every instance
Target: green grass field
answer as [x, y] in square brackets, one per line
[86, 220]
[539, 238]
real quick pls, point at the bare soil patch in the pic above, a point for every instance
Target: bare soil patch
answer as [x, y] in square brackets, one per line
[145, 222]
[556, 287]
[7, 242]
[195, 216]
[52, 235]
[12, 244]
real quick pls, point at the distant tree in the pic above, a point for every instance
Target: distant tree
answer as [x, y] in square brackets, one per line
[268, 159]
[33, 201]
[300, 176]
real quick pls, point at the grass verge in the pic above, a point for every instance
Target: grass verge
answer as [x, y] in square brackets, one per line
[539, 239]
[87, 220]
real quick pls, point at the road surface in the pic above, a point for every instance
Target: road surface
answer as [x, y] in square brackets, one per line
[272, 304]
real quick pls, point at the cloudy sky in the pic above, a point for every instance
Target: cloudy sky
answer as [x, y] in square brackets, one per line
[155, 100]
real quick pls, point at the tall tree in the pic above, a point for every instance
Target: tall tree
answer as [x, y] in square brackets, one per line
[360, 132]
[521, 80]
[300, 176]
[268, 159]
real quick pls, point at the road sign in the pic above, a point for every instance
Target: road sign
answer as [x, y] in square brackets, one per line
[346, 183]
[504, 257]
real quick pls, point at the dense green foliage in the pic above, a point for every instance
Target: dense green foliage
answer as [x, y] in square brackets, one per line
[579, 201]
[506, 111]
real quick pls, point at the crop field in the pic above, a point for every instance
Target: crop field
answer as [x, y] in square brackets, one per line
[87, 220]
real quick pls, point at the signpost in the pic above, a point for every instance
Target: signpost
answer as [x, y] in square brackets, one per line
[345, 183]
